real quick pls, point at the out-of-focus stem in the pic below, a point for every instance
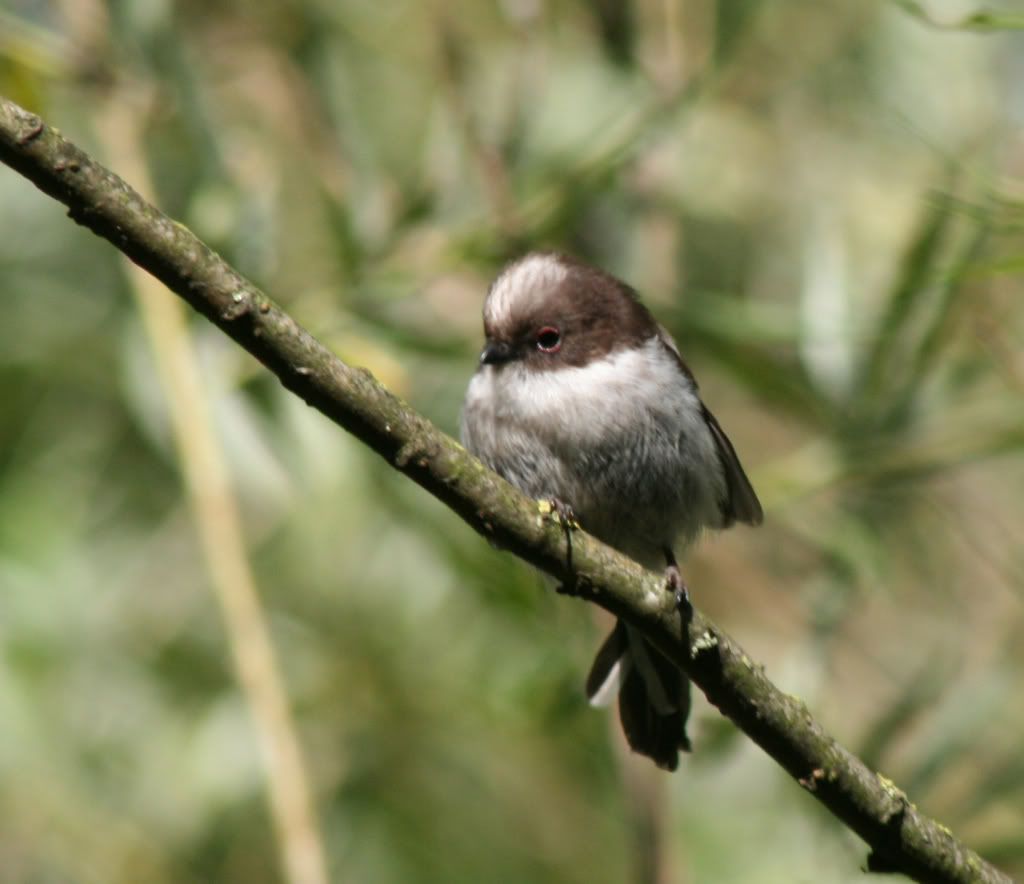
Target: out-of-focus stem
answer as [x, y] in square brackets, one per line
[214, 508]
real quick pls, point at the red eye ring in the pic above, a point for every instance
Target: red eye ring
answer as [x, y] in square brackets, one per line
[549, 339]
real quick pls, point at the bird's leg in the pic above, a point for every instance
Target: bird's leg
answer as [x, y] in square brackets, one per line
[674, 581]
[567, 520]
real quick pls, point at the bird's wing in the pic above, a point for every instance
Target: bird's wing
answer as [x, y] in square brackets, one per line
[741, 504]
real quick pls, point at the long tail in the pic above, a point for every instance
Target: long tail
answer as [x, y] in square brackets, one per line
[654, 696]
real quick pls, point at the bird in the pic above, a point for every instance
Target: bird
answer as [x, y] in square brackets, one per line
[582, 398]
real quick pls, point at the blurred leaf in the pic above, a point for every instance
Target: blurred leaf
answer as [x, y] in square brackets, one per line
[917, 270]
[952, 731]
[915, 700]
[732, 21]
[975, 21]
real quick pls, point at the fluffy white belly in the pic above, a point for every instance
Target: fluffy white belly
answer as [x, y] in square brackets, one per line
[622, 440]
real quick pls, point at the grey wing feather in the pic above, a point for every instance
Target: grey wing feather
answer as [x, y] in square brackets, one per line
[742, 504]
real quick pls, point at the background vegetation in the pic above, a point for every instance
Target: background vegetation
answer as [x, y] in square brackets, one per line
[822, 200]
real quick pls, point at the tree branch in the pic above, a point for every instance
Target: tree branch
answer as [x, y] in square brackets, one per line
[901, 837]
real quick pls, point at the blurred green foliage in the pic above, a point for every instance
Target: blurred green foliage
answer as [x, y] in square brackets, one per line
[822, 200]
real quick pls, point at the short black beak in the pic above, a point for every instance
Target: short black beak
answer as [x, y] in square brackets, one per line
[495, 353]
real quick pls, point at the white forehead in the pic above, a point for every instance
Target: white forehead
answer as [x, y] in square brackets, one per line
[522, 286]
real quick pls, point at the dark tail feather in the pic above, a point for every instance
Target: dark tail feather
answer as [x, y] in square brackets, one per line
[659, 735]
[654, 697]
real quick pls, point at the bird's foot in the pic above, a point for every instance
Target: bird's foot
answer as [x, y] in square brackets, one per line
[563, 513]
[675, 584]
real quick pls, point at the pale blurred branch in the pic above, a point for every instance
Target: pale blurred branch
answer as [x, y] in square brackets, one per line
[901, 837]
[219, 525]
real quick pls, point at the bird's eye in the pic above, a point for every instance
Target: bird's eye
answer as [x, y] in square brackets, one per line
[549, 340]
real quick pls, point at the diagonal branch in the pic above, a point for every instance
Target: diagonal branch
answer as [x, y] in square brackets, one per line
[901, 837]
